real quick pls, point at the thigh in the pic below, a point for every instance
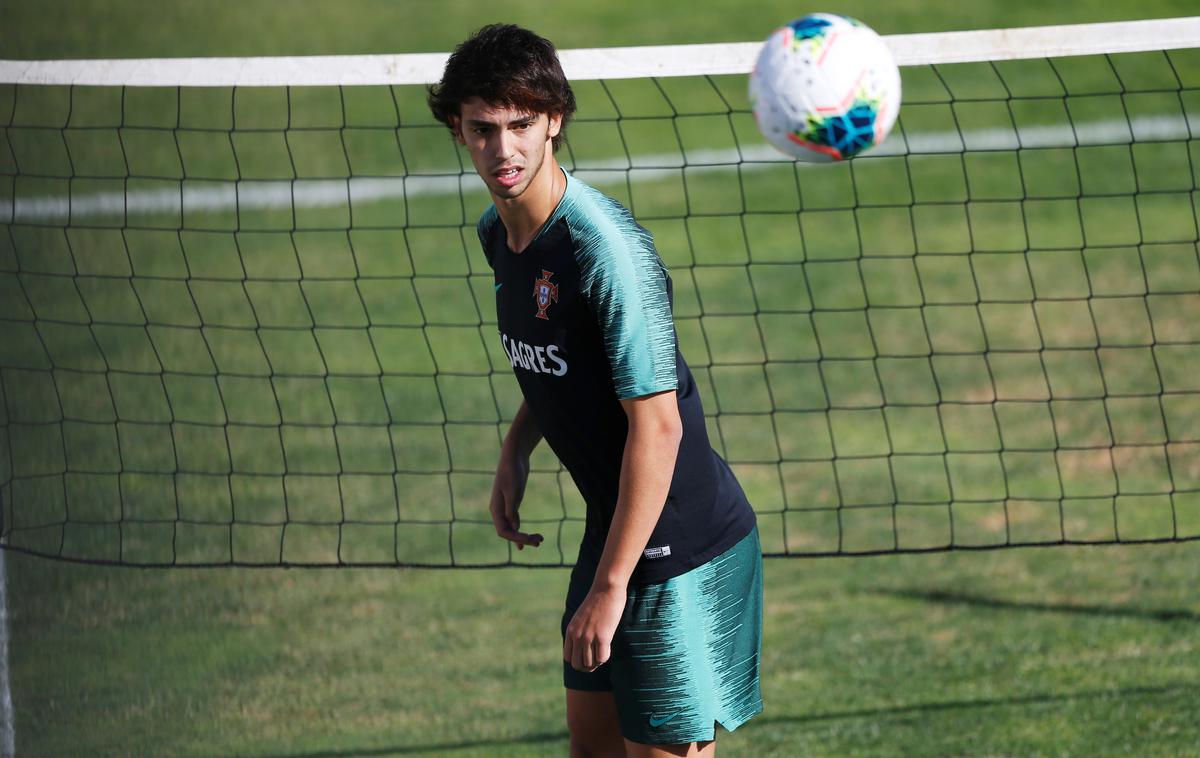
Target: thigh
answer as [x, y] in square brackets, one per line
[593, 724]
[690, 750]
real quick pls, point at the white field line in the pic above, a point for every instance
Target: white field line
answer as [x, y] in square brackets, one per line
[8, 747]
[208, 196]
[603, 63]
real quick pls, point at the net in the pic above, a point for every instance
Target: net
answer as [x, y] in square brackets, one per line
[245, 320]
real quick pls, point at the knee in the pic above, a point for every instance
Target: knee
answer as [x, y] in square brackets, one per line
[594, 725]
[595, 738]
[581, 748]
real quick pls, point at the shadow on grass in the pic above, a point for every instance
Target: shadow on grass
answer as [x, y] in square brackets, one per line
[959, 598]
[435, 747]
[953, 705]
[766, 721]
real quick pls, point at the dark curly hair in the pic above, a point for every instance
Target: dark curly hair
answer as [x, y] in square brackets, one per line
[504, 65]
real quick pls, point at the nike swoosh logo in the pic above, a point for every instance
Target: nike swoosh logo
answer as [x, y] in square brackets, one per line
[498, 286]
[659, 722]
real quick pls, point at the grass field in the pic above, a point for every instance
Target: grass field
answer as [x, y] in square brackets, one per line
[1069, 651]
[864, 416]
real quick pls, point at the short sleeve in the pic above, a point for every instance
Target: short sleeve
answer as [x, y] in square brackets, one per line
[625, 285]
[484, 228]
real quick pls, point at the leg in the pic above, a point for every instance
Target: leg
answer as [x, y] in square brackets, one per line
[592, 721]
[700, 749]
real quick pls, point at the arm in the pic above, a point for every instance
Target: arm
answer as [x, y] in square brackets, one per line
[647, 467]
[511, 474]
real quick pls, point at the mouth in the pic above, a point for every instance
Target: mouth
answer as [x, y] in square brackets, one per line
[509, 177]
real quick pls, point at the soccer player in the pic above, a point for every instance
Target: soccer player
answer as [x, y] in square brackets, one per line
[663, 622]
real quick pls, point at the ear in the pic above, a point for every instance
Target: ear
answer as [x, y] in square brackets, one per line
[555, 125]
[456, 127]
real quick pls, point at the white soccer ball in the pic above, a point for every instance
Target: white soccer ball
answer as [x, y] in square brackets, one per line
[825, 88]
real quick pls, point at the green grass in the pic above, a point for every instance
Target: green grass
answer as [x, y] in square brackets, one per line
[127, 28]
[937, 257]
[1065, 651]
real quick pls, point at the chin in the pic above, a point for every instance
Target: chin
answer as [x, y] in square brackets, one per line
[508, 192]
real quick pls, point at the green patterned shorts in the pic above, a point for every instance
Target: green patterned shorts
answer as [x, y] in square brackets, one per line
[686, 653]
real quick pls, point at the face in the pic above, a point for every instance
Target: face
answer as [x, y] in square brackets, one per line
[508, 146]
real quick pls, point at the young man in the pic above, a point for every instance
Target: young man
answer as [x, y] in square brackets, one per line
[662, 628]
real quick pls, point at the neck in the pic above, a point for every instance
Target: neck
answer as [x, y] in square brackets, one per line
[524, 216]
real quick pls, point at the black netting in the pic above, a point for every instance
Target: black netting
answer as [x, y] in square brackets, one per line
[253, 326]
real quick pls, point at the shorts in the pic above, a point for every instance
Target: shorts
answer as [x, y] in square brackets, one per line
[686, 653]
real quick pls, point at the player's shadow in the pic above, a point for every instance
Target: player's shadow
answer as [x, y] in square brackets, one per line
[765, 720]
[492, 746]
[932, 596]
[949, 597]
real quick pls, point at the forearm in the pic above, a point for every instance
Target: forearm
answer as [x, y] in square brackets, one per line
[647, 467]
[512, 472]
[523, 433]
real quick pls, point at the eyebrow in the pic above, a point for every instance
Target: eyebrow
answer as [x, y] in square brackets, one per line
[517, 120]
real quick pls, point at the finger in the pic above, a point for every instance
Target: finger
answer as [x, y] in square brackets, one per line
[509, 534]
[514, 521]
[583, 655]
[512, 500]
[522, 539]
[499, 517]
[603, 650]
[573, 646]
[511, 513]
[504, 527]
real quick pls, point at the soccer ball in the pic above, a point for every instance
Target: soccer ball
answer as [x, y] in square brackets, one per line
[825, 88]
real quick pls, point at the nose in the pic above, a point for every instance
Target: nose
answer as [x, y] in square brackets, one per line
[505, 143]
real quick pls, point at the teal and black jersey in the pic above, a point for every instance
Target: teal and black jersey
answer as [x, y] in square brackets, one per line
[584, 316]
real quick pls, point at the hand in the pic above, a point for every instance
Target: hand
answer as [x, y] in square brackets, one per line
[588, 642]
[507, 490]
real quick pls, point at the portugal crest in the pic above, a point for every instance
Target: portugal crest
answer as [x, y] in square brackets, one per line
[544, 292]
